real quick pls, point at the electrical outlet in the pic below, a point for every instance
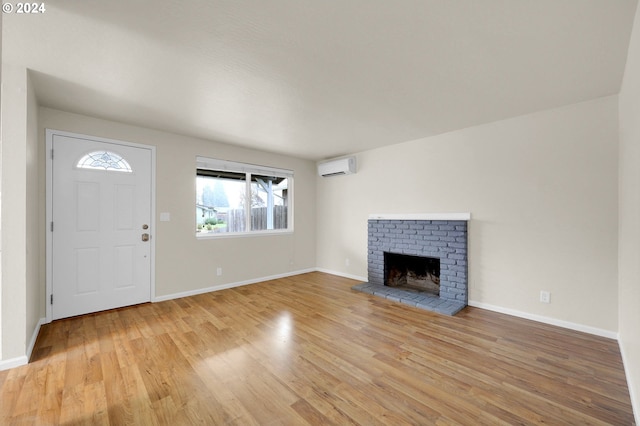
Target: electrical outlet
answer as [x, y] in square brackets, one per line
[545, 296]
[219, 271]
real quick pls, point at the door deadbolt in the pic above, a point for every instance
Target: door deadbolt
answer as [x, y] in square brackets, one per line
[145, 226]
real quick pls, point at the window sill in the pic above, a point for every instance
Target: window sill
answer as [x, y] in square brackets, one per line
[215, 236]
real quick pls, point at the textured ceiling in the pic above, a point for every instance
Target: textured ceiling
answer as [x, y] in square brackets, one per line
[317, 79]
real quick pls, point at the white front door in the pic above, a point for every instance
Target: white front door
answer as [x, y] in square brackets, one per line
[101, 225]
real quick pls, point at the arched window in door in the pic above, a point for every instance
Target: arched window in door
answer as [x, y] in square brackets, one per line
[104, 160]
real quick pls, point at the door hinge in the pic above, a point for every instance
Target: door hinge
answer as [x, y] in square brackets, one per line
[51, 298]
[52, 153]
[51, 226]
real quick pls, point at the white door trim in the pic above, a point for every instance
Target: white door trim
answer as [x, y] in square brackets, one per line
[50, 133]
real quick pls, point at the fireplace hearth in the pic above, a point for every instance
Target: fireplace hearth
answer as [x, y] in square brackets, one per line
[419, 260]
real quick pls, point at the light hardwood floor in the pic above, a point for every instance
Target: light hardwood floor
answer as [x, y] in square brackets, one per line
[309, 350]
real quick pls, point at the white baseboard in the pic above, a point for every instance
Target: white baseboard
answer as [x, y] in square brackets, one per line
[547, 320]
[489, 307]
[342, 274]
[635, 398]
[13, 362]
[229, 285]
[34, 337]
[24, 359]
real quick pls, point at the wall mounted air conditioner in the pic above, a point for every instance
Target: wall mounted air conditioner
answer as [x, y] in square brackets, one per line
[339, 166]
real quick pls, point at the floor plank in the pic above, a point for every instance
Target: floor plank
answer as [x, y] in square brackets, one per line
[309, 350]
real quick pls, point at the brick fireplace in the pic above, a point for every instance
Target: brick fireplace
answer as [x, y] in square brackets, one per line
[433, 237]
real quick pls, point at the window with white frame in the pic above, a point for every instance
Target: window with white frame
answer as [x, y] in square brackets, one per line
[242, 199]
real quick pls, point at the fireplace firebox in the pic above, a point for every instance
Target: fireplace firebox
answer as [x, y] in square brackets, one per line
[418, 273]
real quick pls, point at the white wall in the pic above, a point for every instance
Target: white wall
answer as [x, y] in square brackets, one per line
[184, 263]
[0, 188]
[23, 302]
[542, 191]
[629, 233]
[34, 232]
[14, 210]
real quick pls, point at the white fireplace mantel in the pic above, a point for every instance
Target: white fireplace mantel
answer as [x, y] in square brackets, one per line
[420, 216]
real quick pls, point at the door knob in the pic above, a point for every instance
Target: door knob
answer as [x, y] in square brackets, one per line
[145, 237]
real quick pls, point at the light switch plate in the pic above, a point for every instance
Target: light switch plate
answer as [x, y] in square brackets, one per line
[165, 217]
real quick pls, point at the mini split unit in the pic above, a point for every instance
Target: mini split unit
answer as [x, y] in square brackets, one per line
[337, 167]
